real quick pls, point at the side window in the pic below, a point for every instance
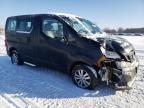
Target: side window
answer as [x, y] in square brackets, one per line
[11, 26]
[77, 26]
[24, 26]
[53, 28]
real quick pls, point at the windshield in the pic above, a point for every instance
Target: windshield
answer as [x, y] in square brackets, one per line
[82, 26]
[91, 26]
[77, 25]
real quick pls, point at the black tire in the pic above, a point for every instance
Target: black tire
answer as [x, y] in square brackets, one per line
[18, 59]
[89, 72]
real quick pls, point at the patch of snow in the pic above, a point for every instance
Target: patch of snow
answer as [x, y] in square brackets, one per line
[66, 14]
[38, 87]
[137, 41]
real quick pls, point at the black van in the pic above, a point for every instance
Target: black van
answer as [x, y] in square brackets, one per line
[74, 45]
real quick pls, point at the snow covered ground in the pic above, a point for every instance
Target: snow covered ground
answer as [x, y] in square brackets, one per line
[36, 87]
[137, 41]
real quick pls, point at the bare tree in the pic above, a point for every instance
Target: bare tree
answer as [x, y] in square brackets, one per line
[107, 30]
[120, 30]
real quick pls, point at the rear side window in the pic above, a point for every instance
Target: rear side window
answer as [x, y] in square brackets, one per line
[11, 26]
[24, 26]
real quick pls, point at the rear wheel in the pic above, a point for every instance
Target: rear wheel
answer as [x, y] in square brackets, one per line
[15, 58]
[85, 76]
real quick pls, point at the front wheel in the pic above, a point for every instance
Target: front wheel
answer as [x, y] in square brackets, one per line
[85, 77]
[15, 58]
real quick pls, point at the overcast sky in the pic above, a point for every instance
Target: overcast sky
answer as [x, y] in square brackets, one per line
[106, 13]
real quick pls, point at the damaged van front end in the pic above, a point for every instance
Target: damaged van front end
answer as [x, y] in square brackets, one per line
[119, 63]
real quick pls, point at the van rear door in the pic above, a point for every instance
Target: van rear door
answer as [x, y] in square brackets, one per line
[10, 35]
[25, 35]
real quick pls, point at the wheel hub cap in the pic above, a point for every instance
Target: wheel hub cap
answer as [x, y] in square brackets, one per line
[14, 58]
[82, 78]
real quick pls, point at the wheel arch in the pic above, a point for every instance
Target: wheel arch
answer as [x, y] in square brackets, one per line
[10, 50]
[75, 64]
[80, 63]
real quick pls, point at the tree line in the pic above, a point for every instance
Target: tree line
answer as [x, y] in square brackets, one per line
[122, 30]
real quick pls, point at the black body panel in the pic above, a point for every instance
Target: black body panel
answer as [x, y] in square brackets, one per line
[35, 47]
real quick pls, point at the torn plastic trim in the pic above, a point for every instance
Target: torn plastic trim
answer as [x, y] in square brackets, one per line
[93, 71]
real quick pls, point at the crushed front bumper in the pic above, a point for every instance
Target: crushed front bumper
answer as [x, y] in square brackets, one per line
[120, 73]
[124, 74]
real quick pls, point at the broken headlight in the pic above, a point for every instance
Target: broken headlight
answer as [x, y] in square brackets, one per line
[108, 51]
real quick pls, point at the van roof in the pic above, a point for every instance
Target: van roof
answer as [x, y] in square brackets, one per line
[49, 14]
[31, 15]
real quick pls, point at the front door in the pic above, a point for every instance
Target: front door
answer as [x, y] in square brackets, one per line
[52, 48]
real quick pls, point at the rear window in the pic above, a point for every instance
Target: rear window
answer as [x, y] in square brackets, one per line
[24, 26]
[11, 26]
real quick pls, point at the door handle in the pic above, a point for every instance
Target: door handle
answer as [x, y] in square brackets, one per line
[28, 38]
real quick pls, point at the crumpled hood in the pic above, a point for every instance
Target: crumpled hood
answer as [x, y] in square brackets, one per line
[118, 44]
